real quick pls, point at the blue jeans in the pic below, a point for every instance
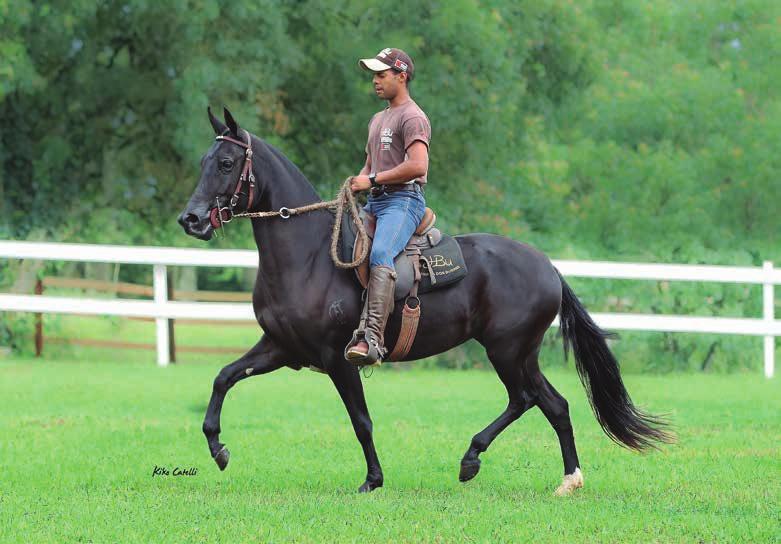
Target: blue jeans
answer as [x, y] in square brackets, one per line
[398, 215]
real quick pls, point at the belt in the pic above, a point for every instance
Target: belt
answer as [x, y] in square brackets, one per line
[387, 189]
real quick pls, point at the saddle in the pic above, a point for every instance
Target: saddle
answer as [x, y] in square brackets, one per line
[430, 260]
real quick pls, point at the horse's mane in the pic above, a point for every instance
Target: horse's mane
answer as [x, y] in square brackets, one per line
[280, 166]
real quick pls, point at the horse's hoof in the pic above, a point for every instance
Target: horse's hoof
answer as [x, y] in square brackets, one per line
[368, 486]
[570, 483]
[222, 458]
[469, 470]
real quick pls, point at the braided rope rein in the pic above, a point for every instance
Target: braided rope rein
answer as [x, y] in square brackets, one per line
[344, 196]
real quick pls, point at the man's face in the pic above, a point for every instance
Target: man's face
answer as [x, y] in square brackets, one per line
[388, 83]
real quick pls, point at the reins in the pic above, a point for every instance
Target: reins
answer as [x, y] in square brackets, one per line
[344, 196]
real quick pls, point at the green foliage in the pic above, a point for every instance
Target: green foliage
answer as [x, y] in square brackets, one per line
[15, 333]
[118, 120]
[613, 130]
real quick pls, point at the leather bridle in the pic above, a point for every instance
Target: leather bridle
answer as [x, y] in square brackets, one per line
[220, 215]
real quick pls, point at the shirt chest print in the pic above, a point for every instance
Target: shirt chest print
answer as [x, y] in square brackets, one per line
[386, 139]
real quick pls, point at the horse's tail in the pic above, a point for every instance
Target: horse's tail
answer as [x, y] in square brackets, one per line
[598, 369]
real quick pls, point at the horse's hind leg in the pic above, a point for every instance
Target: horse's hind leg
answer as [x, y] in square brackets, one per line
[261, 359]
[556, 411]
[509, 368]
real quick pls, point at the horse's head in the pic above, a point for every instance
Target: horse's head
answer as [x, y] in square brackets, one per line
[226, 183]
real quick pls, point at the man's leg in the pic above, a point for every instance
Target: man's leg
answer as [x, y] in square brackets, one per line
[396, 221]
[370, 350]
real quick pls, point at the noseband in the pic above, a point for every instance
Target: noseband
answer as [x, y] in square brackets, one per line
[218, 216]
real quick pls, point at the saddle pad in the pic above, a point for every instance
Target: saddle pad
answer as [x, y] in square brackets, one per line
[447, 263]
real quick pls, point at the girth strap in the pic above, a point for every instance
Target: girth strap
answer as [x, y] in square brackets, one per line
[410, 316]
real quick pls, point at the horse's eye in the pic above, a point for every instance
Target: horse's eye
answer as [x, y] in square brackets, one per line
[226, 164]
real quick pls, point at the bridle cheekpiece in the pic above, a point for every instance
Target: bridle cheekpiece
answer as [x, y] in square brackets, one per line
[221, 215]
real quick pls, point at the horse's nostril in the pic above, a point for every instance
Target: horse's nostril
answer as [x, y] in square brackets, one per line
[188, 221]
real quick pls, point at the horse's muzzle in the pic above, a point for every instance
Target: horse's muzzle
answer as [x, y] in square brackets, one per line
[194, 225]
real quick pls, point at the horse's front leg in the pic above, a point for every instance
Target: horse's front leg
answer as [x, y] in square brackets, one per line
[264, 357]
[347, 380]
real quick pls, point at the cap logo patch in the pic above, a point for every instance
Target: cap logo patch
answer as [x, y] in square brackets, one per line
[400, 65]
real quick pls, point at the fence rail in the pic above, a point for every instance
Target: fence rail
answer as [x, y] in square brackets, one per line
[123, 288]
[120, 287]
[163, 309]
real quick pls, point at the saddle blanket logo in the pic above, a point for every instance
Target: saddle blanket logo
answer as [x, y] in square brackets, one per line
[440, 261]
[386, 139]
[445, 261]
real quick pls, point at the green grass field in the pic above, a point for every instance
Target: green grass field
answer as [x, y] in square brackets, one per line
[79, 442]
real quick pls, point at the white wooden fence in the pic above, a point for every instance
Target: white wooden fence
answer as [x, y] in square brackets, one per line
[162, 309]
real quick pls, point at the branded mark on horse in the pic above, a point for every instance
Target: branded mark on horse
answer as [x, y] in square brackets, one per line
[507, 301]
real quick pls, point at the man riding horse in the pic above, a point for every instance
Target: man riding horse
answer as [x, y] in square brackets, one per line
[506, 302]
[395, 171]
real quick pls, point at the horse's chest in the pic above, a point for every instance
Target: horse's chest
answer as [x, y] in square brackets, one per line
[284, 317]
[309, 316]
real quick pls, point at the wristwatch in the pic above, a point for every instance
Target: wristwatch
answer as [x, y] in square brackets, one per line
[373, 179]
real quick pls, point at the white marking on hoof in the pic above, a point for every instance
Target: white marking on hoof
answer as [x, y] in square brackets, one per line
[570, 483]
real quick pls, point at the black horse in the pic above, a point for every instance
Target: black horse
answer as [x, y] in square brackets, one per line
[307, 309]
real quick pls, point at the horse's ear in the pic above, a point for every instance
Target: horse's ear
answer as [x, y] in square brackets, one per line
[218, 126]
[232, 124]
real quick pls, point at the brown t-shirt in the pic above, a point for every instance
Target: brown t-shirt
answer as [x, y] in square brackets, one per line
[392, 131]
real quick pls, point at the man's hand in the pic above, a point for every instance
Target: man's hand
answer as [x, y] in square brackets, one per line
[360, 183]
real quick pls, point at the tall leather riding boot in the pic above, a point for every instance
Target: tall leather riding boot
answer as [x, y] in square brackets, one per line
[370, 350]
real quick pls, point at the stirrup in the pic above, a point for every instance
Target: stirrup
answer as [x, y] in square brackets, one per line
[351, 356]
[373, 357]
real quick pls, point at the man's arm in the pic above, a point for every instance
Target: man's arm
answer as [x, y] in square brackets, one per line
[367, 166]
[414, 167]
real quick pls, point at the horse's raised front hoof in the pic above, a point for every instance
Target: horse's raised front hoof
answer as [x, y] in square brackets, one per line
[222, 458]
[570, 483]
[469, 470]
[369, 486]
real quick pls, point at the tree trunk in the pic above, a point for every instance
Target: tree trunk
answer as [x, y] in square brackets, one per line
[186, 278]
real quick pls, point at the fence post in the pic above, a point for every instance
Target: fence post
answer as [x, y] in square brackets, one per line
[38, 322]
[171, 336]
[160, 284]
[767, 314]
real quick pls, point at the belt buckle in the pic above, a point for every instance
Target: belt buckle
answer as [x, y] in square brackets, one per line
[377, 191]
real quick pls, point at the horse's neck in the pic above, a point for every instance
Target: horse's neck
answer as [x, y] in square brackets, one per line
[288, 247]
[285, 185]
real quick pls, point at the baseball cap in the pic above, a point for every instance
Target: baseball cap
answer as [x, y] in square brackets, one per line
[389, 59]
